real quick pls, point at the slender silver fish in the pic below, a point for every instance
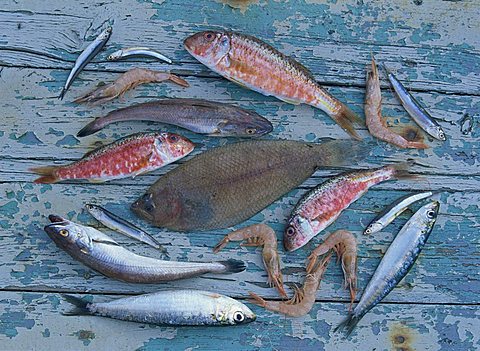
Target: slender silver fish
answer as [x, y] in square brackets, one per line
[415, 110]
[199, 116]
[85, 57]
[112, 221]
[395, 264]
[170, 307]
[393, 211]
[103, 254]
[137, 51]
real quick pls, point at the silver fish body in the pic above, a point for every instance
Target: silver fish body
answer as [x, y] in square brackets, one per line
[395, 264]
[112, 221]
[137, 51]
[85, 57]
[170, 307]
[415, 110]
[393, 211]
[103, 254]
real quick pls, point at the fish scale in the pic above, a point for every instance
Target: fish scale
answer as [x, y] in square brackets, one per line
[227, 185]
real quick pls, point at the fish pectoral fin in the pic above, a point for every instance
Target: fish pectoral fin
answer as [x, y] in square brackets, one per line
[106, 242]
[289, 101]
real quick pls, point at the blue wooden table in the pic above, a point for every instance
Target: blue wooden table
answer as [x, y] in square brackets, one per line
[433, 46]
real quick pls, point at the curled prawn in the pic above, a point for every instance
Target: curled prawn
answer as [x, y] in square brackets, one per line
[127, 81]
[260, 235]
[302, 301]
[345, 246]
[373, 116]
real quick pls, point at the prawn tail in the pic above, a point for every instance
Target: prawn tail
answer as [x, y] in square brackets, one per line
[47, 174]
[414, 137]
[177, 80]
[348, 324]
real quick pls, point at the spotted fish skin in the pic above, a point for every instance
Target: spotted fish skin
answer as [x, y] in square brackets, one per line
[130, 156]
[323, 205]
[256, 65]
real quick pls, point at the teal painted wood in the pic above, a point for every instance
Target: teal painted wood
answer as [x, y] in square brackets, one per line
[434, 47]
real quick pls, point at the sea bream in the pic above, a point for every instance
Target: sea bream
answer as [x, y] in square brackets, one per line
[256, 65]
[322, 205]
[226, 185]
[127, 157]
[101, 253]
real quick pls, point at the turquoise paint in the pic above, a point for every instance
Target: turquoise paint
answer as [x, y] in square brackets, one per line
[44, 188]
[46, 333]
[12, 320]
[55, 132]
[10, 209]
[27, 138]
[68, 140]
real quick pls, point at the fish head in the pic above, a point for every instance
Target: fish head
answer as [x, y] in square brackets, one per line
[159, 209]
[427, 214]
[236, 313]
[244, 123]
[208, 47]
[298, 232]
[438, 132]
[115, 56]
[173, 145]
[67, 235]
[372, 228]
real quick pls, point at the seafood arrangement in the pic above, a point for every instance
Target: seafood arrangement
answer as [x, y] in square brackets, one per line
[226, 185]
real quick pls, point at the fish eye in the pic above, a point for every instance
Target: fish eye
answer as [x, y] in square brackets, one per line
[441, 135]
[208, 36]
[238, 317]
[173, 138]
[368, 230]
[431, 214]
[250, 130]
[63, 232]
[290, 231]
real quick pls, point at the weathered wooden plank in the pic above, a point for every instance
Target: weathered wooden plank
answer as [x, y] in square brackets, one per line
[336, 45]
[34, 321]
[446, 272]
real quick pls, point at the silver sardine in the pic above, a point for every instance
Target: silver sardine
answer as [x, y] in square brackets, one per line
[170, 307]
[103, 254]
[417, 112]
[137, 51]
[85, 57]
[112, 221]
[395, 264]
[393, 211]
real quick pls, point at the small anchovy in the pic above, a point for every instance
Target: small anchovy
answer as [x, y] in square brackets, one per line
[395, 264]
[417, 112]
[112, 221]
[85, 57]
[393, 211]
[170, 307]
[137, 51]
[103, 254]
[199, 116]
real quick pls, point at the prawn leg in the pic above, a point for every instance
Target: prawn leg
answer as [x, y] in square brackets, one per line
[260, 235]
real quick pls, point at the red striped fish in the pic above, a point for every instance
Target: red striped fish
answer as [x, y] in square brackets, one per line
[127, 157]
[256, 65]
[321, 206]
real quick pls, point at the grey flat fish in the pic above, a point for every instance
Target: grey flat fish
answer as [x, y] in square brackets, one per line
[199, 116]
[104, 255]
[170, 307]
[85, 57]
[395, 264]
[227, 185]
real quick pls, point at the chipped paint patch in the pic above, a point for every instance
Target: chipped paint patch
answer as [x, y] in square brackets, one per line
[402, 337]
[11, 320]
[86, 336]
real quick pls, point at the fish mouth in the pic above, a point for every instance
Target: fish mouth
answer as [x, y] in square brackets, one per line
[136, 208]
[54, 219]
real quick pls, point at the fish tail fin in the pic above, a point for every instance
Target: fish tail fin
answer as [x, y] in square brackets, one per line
[233, 266]
[90, 128]
[47, 174]
[402, 170]
[344, 152]
[414, 137]
[62, 94]
[177, 80]
[346, 118]
[81, 306]
[348, 324]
